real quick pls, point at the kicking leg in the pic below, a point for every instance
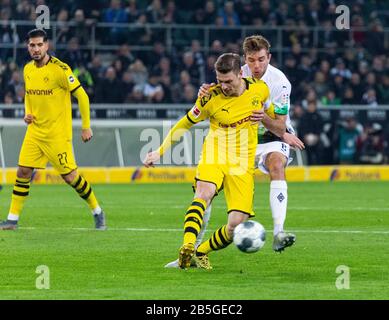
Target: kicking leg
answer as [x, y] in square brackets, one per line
[220, 239]
[194, 221]
[206, 217]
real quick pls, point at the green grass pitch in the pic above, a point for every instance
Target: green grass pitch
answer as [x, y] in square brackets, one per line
[335, 223]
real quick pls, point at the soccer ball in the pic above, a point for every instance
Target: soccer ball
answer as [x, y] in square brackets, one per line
[249, 236]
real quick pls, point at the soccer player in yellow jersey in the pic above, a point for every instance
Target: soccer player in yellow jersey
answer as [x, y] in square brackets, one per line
[272, 152]
[49, 84]
[227, 159]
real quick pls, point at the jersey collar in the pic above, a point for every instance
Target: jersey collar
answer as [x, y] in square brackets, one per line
[44, 64]
[247, 83]
[48, 60]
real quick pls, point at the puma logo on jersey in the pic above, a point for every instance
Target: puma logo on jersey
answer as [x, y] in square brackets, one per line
[226, 110]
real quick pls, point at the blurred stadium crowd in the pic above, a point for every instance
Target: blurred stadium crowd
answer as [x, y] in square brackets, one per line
[356, 74]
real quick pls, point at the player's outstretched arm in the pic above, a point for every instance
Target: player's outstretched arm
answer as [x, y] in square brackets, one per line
[83, 104]
[175, 133]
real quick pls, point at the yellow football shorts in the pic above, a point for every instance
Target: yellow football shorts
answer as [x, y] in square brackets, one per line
[36, 153]
[238, 185]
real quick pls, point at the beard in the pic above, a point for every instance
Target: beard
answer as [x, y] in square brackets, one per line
[37, 57]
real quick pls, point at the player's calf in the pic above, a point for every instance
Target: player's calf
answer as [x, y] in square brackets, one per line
[84, 190]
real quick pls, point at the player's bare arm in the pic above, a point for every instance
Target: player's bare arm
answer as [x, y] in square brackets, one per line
[276, 126]
[173, 136]
[293, 141]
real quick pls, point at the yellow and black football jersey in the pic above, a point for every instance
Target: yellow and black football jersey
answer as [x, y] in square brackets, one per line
[48, 99]
[231, 132]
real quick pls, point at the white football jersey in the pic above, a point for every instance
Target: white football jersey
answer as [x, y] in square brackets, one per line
[280, 89]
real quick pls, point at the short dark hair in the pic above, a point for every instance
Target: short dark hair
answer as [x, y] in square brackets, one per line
[228, 62]
[36, 33]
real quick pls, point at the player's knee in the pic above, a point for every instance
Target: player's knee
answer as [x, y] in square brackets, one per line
[233, 220]
[24, 172]
[277, 171]
[205, 191]
[276, 168]
[69, 178]
[205, 194]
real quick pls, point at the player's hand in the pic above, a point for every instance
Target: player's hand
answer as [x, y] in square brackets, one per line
[293, 141]
[204, 90]
[257, 116]
[151, 158]
[86, 134]
[28, 118]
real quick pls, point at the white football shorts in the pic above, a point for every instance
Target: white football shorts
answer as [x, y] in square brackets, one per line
[264, 149]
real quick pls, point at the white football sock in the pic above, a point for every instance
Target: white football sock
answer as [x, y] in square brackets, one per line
[278, 203]
[13, 217]
[97, 210]
[207, 215]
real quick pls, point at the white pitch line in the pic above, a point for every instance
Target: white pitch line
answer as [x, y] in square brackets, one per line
[209, 230]
[338, 209]
[342, 231]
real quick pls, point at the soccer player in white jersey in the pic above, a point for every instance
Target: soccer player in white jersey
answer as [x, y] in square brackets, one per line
[272, 154]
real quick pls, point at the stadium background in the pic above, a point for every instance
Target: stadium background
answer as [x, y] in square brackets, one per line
[142, 62]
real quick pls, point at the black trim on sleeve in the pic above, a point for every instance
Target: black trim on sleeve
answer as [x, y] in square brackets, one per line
[75, 89]
[190, 119]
